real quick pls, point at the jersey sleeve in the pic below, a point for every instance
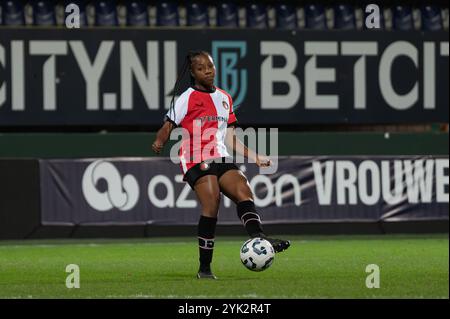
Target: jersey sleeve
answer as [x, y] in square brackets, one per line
[232, 120]
[176, 114]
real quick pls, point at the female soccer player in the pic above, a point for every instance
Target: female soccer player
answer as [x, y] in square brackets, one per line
[206, 113]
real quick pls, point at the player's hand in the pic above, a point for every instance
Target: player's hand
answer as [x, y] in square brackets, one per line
[263, 161]
[157, 146]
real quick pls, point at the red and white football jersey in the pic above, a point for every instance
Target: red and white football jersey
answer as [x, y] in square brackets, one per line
[206, 116]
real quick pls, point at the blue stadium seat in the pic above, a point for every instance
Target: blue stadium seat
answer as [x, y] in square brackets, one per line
[106, 13]
[137, 14]
[197, 14]
[315, 17]
[82, 6]
[13, 13]
[402, 18]
[257, 16]
[431, 18]
[366, 14]
[286, 16]
[344, 17]
[44, 13]
[227, 15]
[167, 14]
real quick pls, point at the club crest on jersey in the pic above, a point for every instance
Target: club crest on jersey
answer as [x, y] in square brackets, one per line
[225, 105]
[204, 166]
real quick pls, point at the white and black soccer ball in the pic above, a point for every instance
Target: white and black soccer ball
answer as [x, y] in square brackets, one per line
[257, 254]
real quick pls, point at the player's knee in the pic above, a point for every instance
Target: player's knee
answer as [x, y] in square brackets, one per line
[244, 194]
[210, 212]
[211, 207]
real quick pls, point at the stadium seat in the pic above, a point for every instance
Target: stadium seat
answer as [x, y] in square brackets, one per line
[257, 16]
[227, 15]
[137, 14]
[44, 13]
[344, 17]
[402, 18]
[82, 6]
[286, 17]
[197, 14]
[366, 14]
[315, 17]
[167, 14]
[431, 18]
[13, 13]
[106, 13]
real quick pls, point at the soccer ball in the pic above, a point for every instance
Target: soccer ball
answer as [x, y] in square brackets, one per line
[257, 254]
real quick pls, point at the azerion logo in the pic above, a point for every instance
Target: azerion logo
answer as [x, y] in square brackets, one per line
[122, 194]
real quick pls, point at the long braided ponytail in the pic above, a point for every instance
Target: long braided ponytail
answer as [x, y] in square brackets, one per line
[185, 67]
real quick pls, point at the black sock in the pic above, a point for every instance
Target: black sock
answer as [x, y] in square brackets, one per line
[206, 234]
[246, 211]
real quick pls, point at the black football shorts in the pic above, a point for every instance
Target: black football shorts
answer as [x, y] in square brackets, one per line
[217, 166]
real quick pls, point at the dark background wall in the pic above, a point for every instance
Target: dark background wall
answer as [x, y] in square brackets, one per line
[60, 145]
[20, 198]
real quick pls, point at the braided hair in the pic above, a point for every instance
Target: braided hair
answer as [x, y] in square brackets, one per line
[186, 66]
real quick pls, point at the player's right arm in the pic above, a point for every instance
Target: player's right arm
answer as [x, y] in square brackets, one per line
[172, 119]
[162, 136]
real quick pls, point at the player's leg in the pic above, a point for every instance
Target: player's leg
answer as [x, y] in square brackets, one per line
[208, 193]
[235, 186]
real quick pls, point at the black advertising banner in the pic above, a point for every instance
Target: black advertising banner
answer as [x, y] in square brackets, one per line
[126, 76]
[303, 189]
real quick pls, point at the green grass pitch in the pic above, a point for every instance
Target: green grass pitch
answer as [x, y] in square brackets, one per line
[411, 266]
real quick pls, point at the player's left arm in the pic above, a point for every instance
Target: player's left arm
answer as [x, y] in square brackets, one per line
[232, 141]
